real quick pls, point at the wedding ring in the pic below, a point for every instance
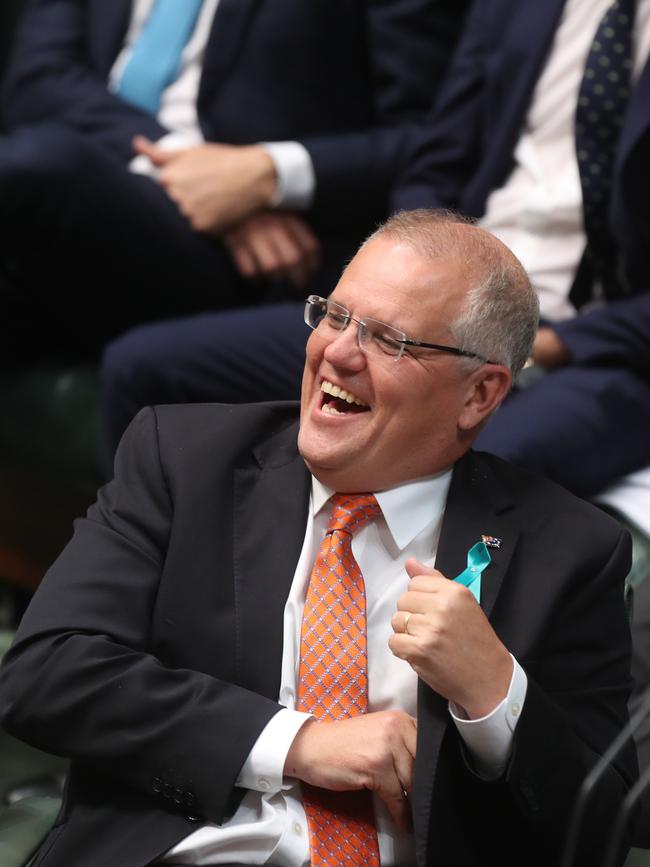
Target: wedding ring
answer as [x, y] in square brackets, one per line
[406, 623]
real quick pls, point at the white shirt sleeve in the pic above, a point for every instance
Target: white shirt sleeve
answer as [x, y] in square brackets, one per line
[296, 179]
[489, 738]
[263, 769]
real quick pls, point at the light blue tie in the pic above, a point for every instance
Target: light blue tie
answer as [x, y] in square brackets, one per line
[157, 52]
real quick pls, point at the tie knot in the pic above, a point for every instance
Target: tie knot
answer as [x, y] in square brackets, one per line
[351, 512]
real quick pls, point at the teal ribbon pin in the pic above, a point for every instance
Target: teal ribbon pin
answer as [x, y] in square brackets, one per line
[478, 559]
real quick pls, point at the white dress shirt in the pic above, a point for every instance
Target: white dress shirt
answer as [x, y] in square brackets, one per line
[270, 823]
[296, 180]
[538, 211]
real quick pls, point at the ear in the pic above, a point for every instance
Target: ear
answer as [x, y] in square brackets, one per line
[488, 386]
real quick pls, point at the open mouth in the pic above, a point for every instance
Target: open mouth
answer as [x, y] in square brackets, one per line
[338, 401]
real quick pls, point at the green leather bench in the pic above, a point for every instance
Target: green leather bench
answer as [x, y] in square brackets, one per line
[50, 463]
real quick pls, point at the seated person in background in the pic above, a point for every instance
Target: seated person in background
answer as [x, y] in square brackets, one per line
[222, 701]
[501, 146]
[154, 166]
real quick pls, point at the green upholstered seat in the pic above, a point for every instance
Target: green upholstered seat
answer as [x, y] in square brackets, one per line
[22, 828]
[50, 463]
[50, 418]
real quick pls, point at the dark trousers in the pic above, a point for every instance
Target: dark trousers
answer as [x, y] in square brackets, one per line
[237, 356]
[583, 427]
[87, 249]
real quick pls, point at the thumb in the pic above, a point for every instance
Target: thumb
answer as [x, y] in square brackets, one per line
[143, 145]
[415, 567]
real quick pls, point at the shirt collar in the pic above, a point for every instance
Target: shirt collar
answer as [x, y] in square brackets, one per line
[407, 508]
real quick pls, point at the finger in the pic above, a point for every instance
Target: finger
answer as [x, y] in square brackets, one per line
[284, 232]
[307, 242]
[159, 157]
[243, 258]
[402, 621]
[392, 794]
[404, 755]
[403, 646]
[288, 252]
[265, 253]
[143, 145]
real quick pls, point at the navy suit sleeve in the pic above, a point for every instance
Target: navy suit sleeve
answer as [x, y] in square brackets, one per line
[446, 150]
[58, 76]
[409, 44]
[87, 667]
[614, 334]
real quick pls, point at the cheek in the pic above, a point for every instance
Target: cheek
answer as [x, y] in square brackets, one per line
[314, 351]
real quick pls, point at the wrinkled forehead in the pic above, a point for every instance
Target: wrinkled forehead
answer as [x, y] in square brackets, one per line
[391, 281]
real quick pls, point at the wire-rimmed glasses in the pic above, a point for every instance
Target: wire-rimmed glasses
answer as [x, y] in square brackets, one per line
[374, 337]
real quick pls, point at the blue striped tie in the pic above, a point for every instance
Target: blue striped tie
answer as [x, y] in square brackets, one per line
[157, 52]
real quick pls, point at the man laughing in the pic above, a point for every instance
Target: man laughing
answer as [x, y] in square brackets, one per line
[344, 638]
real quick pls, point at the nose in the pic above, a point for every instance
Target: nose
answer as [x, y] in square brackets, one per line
[344, 351]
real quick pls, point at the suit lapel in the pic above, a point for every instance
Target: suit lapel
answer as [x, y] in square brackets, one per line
[271, 496]
[637, 118]
[222, 48]
[110, 21]
[477, 504]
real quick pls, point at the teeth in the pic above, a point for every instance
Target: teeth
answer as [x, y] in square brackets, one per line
[341, 393]
[331, 410]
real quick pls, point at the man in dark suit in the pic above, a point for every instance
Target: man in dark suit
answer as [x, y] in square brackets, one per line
[165, 650]
[275, 111]
[500, 146]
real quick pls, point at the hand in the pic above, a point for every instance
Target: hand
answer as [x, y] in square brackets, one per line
[373, 751]
[214, 185]
[450, 643]
[548, 349]
[274, 244]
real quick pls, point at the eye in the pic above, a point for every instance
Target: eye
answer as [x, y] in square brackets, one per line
[337, 319]
[386, 343]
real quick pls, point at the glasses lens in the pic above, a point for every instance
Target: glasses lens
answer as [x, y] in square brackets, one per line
[327, 314]
[315, 310]
[380, 339]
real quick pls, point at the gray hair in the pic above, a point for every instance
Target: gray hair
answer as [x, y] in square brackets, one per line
[501, 313]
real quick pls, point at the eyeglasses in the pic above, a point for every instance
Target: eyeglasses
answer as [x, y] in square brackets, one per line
[374, 337]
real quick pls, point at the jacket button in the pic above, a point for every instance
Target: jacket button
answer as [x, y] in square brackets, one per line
[178, 796]
[156, 785]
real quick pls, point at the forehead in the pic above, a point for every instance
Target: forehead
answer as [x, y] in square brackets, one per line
[389, 280]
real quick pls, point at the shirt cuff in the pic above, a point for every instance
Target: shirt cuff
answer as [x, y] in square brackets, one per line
[489, 738]
[264, 767]
[296, 179]
[142, 165]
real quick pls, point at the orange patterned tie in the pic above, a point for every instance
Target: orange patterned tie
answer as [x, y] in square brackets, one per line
[333, 680]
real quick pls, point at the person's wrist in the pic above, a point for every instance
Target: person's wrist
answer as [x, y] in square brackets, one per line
[297, 755]
[265, 175]
[484, 701]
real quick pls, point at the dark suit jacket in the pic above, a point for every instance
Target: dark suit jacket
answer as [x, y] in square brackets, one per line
[467, 150]
[348, 80]
[151, 653]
